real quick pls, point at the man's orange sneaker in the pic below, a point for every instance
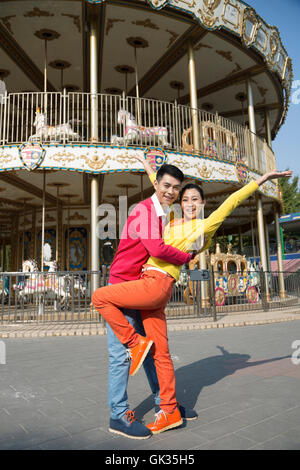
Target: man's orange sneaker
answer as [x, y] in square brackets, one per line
[138, 354]
[164, 421]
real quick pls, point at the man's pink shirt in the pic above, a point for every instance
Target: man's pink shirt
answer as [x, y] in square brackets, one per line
[140, 239]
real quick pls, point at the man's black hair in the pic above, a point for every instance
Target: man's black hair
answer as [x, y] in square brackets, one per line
[191, 186]
[171, 170]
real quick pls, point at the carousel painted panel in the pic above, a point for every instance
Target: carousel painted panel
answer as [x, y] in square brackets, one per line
[77, 248]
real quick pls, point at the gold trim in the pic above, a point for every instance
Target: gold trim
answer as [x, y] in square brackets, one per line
[251, 16]
[190, 4]
[208, 11]
[261, 28]
[274, 46]
[237, 8]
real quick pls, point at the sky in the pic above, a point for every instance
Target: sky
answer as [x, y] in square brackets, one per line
[285, 14]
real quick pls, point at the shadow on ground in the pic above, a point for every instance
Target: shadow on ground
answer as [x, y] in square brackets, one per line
[203, 373]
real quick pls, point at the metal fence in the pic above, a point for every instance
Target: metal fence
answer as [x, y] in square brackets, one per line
[66, 297]
[124, 120]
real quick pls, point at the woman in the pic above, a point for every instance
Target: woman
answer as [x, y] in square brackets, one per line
[153, 290]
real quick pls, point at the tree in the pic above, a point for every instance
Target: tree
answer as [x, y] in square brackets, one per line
[290, 194]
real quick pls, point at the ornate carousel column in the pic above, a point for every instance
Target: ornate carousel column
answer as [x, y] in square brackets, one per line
[94, 138]
[267, 244]
[262, 243]
[268, 128]
[279, 253]
[14, 241]
[193, 97]
[33, 245]
[196, 143]
[252, 124]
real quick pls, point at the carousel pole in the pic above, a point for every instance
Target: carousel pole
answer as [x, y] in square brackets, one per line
[193, 98]
[279, 254]
[262, 243]
[137, 88]
[33, 233]
[45, 78]
[268, 128]
[196, 144]
[68, 237]
[59, 229]
[14, 242]
[43, 219]
[57, 225]
[95, 252]
[23, 234]
[253, 242]
[252, 124]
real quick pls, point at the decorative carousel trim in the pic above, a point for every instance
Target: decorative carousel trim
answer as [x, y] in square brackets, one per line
[235, 16]
[120, 159]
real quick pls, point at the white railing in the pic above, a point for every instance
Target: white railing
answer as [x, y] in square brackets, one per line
[66, 118]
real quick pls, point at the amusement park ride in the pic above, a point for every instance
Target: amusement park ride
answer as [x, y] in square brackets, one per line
[87, 85]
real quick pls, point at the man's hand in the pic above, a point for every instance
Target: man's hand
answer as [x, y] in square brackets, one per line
[148, 168]
[140, 157]
[275, 174]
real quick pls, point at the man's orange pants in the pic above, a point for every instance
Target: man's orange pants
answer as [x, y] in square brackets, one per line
[149, 294]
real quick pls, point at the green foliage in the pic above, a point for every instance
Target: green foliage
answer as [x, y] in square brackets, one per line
[290, 194]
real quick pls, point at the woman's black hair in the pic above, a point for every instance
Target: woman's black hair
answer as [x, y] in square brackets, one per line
[191, 186]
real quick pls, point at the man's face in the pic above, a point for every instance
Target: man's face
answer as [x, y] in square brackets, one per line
[167, 189]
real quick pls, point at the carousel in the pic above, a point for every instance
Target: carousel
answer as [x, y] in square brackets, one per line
[88, 85]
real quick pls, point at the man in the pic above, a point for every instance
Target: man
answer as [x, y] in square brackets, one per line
[141, 238]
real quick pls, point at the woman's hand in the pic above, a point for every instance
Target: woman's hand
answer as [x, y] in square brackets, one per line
[275, 174]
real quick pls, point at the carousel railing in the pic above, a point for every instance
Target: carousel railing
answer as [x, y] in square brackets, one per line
[44, 297]
[130, 121]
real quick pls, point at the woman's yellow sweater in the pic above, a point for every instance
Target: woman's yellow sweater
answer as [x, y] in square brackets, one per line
[182, 234]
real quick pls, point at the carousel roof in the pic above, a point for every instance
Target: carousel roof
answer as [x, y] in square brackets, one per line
[225, 56]
[228, 51]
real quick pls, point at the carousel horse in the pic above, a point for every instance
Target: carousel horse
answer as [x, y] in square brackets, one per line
[44, 131]
[133, 132]
[41, 286]
[75, 281]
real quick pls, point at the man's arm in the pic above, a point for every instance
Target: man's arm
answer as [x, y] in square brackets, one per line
[158, 249]
[144, 224]
[148, 168]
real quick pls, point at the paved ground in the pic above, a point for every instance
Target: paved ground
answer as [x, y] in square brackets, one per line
[241, 381]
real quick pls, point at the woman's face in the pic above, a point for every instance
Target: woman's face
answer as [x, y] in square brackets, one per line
[191, 203]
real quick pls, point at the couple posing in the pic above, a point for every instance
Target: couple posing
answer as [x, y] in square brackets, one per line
[144, 269]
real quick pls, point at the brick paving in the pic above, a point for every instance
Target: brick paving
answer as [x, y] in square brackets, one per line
[241, 381]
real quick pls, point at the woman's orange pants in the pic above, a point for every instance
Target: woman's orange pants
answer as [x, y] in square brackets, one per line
[149, 294]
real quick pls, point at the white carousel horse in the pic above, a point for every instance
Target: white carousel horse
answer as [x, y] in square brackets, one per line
[44, 131]
[39, 285]
[75, 281]
[135, 132]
